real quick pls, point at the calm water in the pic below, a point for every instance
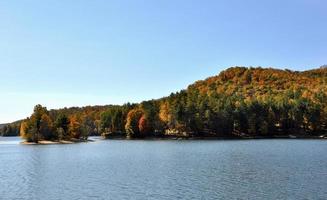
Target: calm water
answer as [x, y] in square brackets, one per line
[252, 169]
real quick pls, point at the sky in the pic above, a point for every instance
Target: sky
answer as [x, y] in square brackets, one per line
[62, 53]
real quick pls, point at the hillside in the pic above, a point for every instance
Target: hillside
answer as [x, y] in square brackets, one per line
[11, 129]
[239, 102]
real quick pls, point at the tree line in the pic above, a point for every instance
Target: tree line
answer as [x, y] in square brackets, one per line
[238, 102]
[12, 129]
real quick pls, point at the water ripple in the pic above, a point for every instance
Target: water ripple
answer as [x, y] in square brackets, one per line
[265, 169]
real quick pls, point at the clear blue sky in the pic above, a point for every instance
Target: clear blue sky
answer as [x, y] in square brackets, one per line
[66, 53]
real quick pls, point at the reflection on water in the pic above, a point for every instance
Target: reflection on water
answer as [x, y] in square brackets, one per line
[10, 140]
[253, 169]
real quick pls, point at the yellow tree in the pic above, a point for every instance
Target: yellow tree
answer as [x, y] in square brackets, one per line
[132, 122]
[24, 132]
[74, 127]
[164, 112]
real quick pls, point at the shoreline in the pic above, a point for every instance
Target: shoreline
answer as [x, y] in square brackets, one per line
[323, 137]
[49, 142]
[172, 138]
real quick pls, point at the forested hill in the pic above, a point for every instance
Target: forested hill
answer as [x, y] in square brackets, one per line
[264, 84]
[239, 102]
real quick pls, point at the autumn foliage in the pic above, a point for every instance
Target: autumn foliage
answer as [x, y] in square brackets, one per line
[238, 102]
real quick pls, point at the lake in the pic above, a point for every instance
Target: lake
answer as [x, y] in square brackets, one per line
[166, 169]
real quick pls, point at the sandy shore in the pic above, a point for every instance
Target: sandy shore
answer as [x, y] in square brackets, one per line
[48, 142]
